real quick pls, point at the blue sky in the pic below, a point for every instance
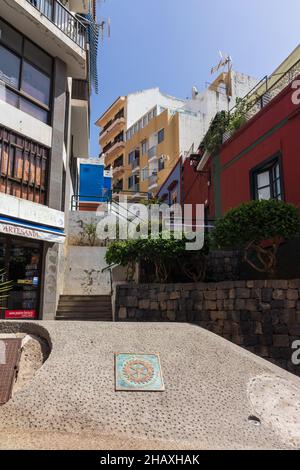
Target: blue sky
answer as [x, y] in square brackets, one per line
[174, 43]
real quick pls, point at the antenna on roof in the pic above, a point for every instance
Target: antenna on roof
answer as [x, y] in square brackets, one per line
[105, 27]
[226, 60]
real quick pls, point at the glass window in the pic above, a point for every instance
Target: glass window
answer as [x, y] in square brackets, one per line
[35, 83]
[145, 121]
[144, 147]
[38, 57]
[33, 110]
[145, 173]
[9, 67]
[161, 136]
[267, 181]
[10, 37]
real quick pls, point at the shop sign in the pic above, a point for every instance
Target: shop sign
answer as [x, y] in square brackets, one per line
[20, 314]
[20, 231]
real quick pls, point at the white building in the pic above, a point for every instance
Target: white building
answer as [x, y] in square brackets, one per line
[44, 127]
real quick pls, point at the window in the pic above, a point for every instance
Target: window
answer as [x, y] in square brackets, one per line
[23, 167]
[144, 147]
[10, 37]
[161, 163]
[35, 83]
[10, 66]
[160, 136]
[144, 173]
[145, 121]
[131, 156]
[130, 182]
[267, 180]
[26, 70]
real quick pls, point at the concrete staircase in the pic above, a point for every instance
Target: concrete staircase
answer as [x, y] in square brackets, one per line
[84, 308]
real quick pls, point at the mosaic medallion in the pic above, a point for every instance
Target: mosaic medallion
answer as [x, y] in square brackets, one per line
[138, 373]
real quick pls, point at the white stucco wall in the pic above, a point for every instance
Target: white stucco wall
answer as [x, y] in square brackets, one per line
[141, 102]
[83, 273]
[31, 211]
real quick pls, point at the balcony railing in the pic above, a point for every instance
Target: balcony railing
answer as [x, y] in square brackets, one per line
[135, 164]
[119, 143]
[59, 15]
[152, 180]
[264, 92]
[152, 152]
[112, 125]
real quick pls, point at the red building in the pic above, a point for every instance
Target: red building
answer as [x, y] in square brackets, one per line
[260, 160]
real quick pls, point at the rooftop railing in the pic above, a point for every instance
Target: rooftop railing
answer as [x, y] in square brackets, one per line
[59, 15]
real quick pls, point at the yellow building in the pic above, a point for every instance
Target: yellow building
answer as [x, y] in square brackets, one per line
[151, 151]
[112, 138]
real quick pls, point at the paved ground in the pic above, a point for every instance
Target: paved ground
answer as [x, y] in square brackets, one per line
[212, 387]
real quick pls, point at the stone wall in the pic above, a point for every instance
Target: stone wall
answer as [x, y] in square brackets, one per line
[223, 265]
[262, 316]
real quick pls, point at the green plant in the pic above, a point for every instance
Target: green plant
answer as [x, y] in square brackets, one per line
[90, 230]
[5, 287]
[164, 254]
[214, 137]
[258, 227]
[225, 122]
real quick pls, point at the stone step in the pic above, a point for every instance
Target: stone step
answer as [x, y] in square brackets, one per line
[85, 304]
[84, 308]
[85, 298]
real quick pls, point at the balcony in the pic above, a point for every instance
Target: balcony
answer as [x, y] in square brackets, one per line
[135, 164]
[264, 92]
[115, 126]
[118, 171]
[111, 148]
[152, 181]
[53, 27]
[152, 153]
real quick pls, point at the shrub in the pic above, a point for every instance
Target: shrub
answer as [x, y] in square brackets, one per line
[259, 227]
[163, 254]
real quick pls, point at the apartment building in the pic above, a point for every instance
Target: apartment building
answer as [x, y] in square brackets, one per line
[125, 113]
[44, 128]
[143, 134]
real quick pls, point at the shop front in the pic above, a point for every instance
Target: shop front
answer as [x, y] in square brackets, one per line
[24, 242]
[21, 263]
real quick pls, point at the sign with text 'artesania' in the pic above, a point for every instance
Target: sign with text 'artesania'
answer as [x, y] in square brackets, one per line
[17, 230]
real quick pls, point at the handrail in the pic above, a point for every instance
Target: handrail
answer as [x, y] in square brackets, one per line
[267, 79]
[59, 15]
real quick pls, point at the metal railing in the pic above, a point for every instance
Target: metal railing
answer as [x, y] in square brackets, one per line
[267, 89]
[152, 152]
[130, 193]
[152, 180]
[59, 15]
[135, 163]
[77, 199]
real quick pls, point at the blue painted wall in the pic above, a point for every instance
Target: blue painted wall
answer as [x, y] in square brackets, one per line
[173, 181]
[93, 185]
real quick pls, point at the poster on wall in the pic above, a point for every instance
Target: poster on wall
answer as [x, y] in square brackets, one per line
[20, 314]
